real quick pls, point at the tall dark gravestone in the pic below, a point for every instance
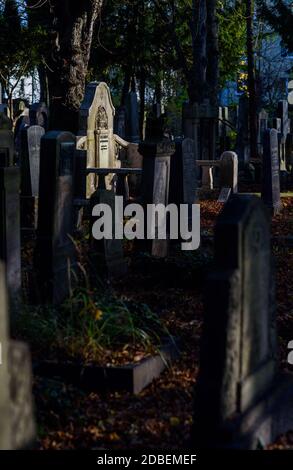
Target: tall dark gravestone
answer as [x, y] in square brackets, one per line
[17, 426]
[241, 402]
[30, 174]
[183, 173]
[263, 118]
[285, 129]
[155, 182]
[55, 251]
[6, 148]
[107, 254]
[271, 172]
[10, 231]
[5, 429]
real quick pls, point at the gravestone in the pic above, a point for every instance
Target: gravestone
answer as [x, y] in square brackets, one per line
[183, 173]
[95, 137]
[261, 128]
[5, 122]
[271, 172]
[55, 251]
[191, 125]
[10, 232]
[189, 171]
[6, 148]
[224, 129]
[22, 122]
[290, 94]
[39, 115]
[229, 171]
[5, 428]
[155, 183]
[17, 426]
[30, 174]
[224, 195]
[207, 178]
[285, 129]
[241, 402]
[132, 117]
[107, 255]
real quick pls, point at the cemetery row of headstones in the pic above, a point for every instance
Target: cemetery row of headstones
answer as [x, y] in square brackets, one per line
[63, 163]
[56, 163]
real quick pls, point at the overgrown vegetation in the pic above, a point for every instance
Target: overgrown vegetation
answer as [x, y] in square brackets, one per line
[92, 327]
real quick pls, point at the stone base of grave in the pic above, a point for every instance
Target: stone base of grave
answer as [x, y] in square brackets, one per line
[132, 378]
[259, 426]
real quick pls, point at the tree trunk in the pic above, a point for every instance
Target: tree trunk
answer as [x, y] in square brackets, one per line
[251, 80]
[44, 90]
[142, 86]
[197, 81]
[212, 52]
[72, 23]
[126, 86]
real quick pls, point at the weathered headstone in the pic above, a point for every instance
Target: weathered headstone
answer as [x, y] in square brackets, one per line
[229, 171]
[207, 178]
[10, 231]
[95, 136]
[262, 126]
[290, 94]
[5, 428]
[224, 128]
[22, 122]
[285, 129]
[155, 183]
[5, 122]
[271, 172]
[30, 173]
[39, 115]
[17, 426]
[107, 254]
[240, 400]
[6, 148]
[191, 125]
[224, 195]
[189, 171]
[183, 173]
[55, 251]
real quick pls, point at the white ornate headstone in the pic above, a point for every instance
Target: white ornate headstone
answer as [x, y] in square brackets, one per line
[96, 135]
